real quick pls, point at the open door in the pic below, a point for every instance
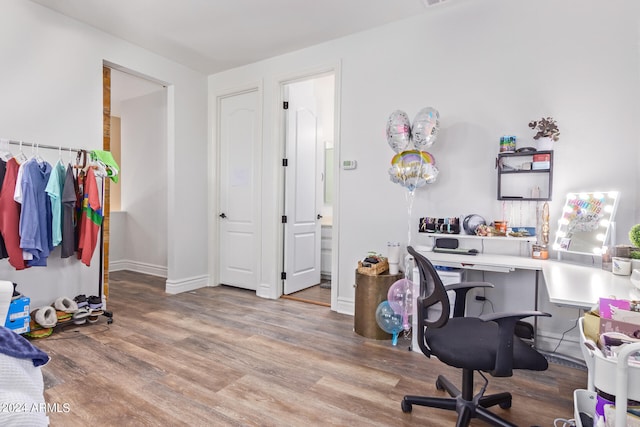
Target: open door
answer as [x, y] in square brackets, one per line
[304, 176]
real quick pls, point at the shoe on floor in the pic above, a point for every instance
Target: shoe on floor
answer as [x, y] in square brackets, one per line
[80, 316]
[95, 302]
[81, 300]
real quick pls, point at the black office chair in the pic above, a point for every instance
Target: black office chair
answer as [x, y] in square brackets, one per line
[484, 344]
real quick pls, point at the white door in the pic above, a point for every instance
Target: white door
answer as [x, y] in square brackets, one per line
[303, 189]
[239, 199]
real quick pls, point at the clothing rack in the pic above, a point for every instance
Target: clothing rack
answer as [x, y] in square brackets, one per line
[107, 314]
[52, 147]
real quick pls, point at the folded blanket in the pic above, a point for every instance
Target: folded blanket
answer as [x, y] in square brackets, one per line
[15, 345]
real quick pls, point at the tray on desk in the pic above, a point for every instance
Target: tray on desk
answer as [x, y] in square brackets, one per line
[459, 251]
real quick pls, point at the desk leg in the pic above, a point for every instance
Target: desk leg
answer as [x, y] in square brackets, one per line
[535, 307]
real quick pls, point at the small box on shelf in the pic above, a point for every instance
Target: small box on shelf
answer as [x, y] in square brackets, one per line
[540, 166]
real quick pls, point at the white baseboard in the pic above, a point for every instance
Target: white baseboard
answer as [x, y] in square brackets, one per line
[186, 285]
[346, 306]
[265, 290]
[138, 267]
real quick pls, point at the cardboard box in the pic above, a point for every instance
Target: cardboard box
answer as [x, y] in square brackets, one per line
[629, 329]
[542, 157]
[19, 308]
[19, 326]
[591, 325]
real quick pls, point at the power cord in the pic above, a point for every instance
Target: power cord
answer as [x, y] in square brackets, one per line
[568, 330]
[485, 300]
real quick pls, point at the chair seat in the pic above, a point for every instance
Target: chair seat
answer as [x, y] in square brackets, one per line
[474, 346]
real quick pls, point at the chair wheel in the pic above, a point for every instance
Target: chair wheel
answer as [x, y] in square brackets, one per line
[439, 385]
[406, 406]
[505, 405]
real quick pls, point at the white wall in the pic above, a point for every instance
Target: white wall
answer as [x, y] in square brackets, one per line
[51, 86]
[144, 183]
[489, 67]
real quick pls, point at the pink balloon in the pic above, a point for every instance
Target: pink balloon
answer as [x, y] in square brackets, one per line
[400, 297]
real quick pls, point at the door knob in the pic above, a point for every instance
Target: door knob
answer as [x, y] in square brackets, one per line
[222, 215]
[319, 216]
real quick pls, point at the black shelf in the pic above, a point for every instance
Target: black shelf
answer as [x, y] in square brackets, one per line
[519, 190]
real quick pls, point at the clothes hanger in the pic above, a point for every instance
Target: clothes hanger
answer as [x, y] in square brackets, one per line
[5, 153]
[39, 159]
[21, 157]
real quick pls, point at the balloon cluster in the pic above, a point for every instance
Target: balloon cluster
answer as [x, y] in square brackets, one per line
[413, 168]
[393, 314]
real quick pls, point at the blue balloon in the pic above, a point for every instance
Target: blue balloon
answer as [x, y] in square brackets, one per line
[387, 319]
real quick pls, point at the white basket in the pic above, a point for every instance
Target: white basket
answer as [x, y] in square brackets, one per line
[611, 377]
[583, 401]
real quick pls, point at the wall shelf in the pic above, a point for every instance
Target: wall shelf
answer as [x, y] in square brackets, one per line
[516, 181]
[475, 237]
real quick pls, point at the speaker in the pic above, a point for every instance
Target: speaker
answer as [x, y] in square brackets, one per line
[447, 243]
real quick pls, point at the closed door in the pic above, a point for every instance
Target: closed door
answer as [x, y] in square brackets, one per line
[239, 200]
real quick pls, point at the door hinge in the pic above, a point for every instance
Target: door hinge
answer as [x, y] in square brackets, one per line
[283, 275]
[284, 219]
[285, 162]
[285, 105]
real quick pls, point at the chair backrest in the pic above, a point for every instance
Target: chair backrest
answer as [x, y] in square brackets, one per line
[432, 304]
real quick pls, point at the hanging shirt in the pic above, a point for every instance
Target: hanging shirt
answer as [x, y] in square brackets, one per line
[54, 190]
[69, 200]
[91, 219]
[10, 216]
[111, 167]
[17, 196]
[3, 169]
[35, 216]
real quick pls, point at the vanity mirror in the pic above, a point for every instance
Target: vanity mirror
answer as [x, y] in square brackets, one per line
[585, 223]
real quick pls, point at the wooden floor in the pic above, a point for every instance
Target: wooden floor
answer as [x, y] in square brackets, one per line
[224, 357]
[318, 294]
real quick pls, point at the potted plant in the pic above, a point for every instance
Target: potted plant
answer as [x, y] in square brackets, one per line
[634, 238]
[546, 132]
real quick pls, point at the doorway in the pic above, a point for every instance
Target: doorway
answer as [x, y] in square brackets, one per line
[309, 111]
[138, 120]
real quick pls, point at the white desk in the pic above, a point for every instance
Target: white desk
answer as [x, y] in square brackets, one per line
[567, 284]
[582, 286]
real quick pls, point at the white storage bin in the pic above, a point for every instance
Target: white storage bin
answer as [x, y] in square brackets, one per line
[612, 376]
[584, 401]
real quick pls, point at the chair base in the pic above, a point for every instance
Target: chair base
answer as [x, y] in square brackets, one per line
[463, 402]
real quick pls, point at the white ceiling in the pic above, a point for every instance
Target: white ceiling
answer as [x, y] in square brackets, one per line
[215, 35]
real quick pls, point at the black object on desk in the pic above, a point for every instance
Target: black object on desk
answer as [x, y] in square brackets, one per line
[459, 251]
